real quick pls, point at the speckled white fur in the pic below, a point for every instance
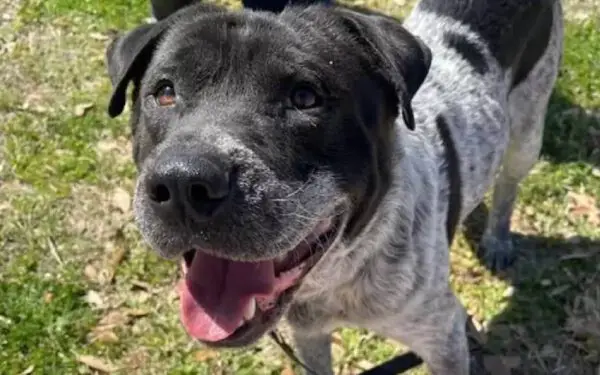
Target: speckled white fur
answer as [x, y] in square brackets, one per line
[497, 133]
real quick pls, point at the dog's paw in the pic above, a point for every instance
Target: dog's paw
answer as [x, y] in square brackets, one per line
[497, 253]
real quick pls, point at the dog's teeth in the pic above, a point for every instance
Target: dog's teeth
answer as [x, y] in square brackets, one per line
[241, 323]
[250, 310]
[280, 258]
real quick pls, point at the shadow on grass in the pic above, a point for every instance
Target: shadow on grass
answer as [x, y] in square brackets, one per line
[551, 324]
[549, 277]
[572, 133]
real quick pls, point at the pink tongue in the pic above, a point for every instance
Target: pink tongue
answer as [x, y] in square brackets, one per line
[216, 291]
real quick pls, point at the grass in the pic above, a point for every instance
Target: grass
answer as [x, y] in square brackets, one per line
[80, 292]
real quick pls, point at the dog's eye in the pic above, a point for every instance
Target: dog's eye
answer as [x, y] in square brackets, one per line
[304, 97]
[165, 95]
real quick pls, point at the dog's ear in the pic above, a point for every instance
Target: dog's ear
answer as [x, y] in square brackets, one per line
[127, 58]
[402, 58]
[162, 9]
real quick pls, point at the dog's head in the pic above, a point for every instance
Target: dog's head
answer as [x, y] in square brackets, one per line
[262, 141]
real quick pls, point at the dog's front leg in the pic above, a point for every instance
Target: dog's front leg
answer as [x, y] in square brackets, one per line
[435, 331]
[314, 352]
[311, 326]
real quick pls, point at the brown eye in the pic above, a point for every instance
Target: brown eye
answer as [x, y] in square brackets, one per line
[165, 95]
[304, 97]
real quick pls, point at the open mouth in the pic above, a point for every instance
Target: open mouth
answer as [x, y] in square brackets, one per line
[222, 299]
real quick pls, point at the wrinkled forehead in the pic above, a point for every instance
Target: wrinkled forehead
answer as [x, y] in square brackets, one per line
[232, 38]
[252, 43]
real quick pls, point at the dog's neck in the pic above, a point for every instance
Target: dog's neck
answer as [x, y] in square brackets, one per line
[415, 177]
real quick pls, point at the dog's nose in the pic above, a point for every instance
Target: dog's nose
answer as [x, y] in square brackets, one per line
[185, 185]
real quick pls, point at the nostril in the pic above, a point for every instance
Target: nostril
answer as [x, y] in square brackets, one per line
[198, 193]
[205, 199]
[160, 193]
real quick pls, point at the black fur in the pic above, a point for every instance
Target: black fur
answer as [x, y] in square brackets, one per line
[162, 9]
[517, 32]
[454, 180]
[469, 51]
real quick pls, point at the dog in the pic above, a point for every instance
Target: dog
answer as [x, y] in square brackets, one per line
[315, 163]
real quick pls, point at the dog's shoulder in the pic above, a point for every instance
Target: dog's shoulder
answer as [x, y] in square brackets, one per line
[516, 32]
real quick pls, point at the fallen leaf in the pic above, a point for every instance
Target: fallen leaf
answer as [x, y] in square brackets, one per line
[28, 370]
[48, 297]
[114, 318]
[93, 298]
[98, 36]
[117, 254]
[558, 290]
[32, 102]
[529, 211]
[5, 321]
[477, 324]
[106, 146]
[81, 109]
[120, 148]
[583, 206]
[336, 339]
[141, 285]
[136, 313]
[105, 336]
[90, 272]
[509, 292]
[205, 355]
[121, 199]
[96, 363]
[288, 370]
[104, 331]
[141, 297]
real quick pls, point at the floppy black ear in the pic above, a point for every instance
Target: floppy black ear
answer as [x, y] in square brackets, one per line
[402, 58]
[127, 58]
[162, 9]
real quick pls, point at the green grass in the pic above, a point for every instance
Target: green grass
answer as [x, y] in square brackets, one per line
[76, 279]
[44, 322]
[105, 13]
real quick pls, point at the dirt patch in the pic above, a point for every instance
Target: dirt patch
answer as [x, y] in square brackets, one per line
[98, 214]
[119, 149]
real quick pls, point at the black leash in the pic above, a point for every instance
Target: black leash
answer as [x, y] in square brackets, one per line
[405, 361]
[394, 366]
[287, 349]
